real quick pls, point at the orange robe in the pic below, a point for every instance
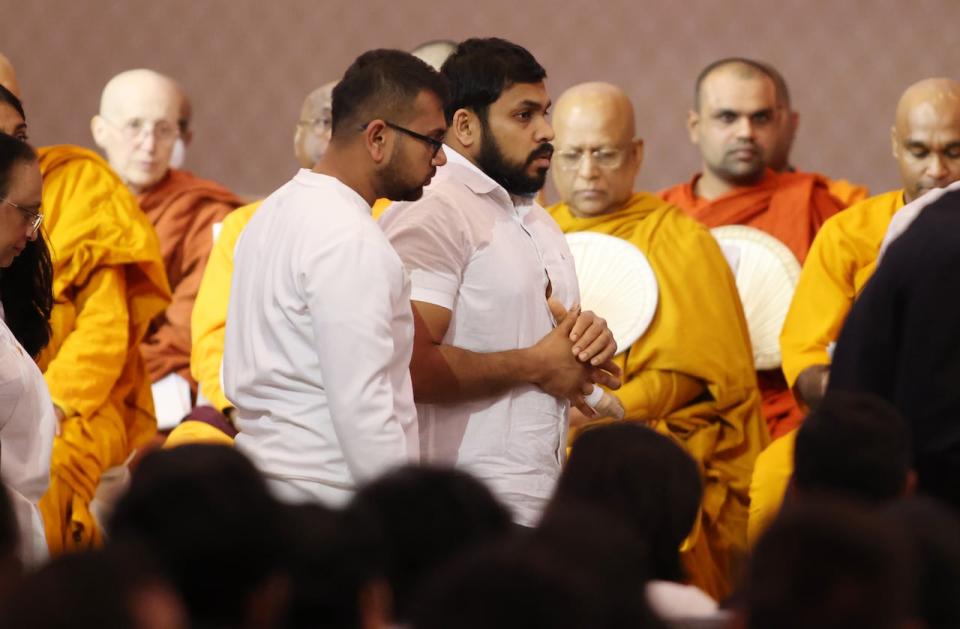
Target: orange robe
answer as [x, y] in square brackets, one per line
[108, 284]
[183, 209]
[790, 207]
[690, 375]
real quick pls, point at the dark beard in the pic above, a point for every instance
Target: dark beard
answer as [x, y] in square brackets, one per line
[513, 177]
[392, 185]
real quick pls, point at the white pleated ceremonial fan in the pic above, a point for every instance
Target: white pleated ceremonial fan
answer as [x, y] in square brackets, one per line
[766, 272]
[616, 282]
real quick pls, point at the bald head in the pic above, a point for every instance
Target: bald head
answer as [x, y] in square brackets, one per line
[8, 77]
[435, 52]
[138, 125]
[312, 136]
[926, 135]
[597, 156]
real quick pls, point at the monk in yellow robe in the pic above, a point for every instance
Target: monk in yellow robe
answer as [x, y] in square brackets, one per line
[108, 283]
[691, 374]
[926, 145]
[209, 318]
[736, 123]
[137, 127]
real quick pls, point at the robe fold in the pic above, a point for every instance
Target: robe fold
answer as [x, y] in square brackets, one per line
[108, 284]
[691, 376]
[846, 192]
[791, 207]
[183, 209]
[208, 322]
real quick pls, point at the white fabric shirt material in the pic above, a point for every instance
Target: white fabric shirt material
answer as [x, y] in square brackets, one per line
[470, 249]
[27, 427]
[318, 342]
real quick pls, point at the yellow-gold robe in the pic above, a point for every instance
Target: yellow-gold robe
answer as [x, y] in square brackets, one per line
[846, 192]
[691, 374]
[208, 321]
[841, 260]
[108, 283]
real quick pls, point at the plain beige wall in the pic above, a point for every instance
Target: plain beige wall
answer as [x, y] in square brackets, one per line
[247, 65]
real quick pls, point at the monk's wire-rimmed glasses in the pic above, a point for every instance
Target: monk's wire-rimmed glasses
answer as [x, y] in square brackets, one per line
[607, 158]
[34, 219]
[435, 144]
[133, 129]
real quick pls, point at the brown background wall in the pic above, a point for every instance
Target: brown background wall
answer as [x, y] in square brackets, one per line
[248, 64]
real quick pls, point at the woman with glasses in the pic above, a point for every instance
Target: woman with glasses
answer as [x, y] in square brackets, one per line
[27, 418]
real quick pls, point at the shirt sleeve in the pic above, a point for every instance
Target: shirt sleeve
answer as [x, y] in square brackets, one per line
[356, 346]
[820, 304]
[434, 247]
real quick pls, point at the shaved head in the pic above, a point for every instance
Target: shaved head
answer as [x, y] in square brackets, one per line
[597, 156]
[138, 125]
[435, 52]
[742, 68]
[8, 76]
[926, 135]
[313, 128]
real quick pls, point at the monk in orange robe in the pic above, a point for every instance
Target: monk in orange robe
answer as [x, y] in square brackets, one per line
[691, 374]
[137, 127]
[778, 157]
[108, 283]
[735, 123]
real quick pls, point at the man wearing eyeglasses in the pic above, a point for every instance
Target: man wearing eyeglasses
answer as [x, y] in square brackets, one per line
[493, 373]
[319, 329]
[691, 374]
[108, 284]
[137, 127]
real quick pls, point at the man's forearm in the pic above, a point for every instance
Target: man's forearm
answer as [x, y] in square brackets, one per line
[446, 374]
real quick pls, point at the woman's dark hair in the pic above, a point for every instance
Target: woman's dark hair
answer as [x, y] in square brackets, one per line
[26, 286]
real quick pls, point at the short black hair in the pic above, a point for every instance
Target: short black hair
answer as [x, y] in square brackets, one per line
[8, 97]
[853, 444]
[645, 479]
[830, 565]
[424, 516]
[207, 517]
[767, 70]
[383, 84]
[479, 70]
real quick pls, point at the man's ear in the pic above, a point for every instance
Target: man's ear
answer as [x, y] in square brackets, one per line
[375, 139]
[98, 129]
[693, 123]
[465, 127]
[638, 153]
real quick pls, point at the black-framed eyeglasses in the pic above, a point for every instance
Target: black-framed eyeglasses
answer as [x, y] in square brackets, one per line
[435, 144]
[34, 219]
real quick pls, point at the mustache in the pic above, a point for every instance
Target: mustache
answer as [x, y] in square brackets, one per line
[544, 150]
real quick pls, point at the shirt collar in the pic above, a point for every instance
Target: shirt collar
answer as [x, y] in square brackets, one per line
[478, 181]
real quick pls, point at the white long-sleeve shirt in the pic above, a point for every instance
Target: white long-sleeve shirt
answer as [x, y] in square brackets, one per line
[470, 248]
[27, 426]
[318, 342]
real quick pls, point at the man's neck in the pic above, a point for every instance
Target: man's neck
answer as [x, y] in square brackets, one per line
[341, 164]
[710, 186]
[141, 190]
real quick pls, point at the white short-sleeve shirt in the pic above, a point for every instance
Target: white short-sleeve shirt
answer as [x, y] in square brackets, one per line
[470, 248]
[318, 342]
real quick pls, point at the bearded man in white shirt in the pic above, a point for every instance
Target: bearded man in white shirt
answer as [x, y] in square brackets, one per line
[493, 372]
[319, 328]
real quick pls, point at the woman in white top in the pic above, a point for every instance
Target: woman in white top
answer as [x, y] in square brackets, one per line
[27, 420]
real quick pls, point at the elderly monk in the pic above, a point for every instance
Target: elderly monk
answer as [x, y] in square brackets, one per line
[926, 145]
[209, 319]
[137, 127]
[778, 159]
[108, 284]
[691, 375]
[735, 123]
